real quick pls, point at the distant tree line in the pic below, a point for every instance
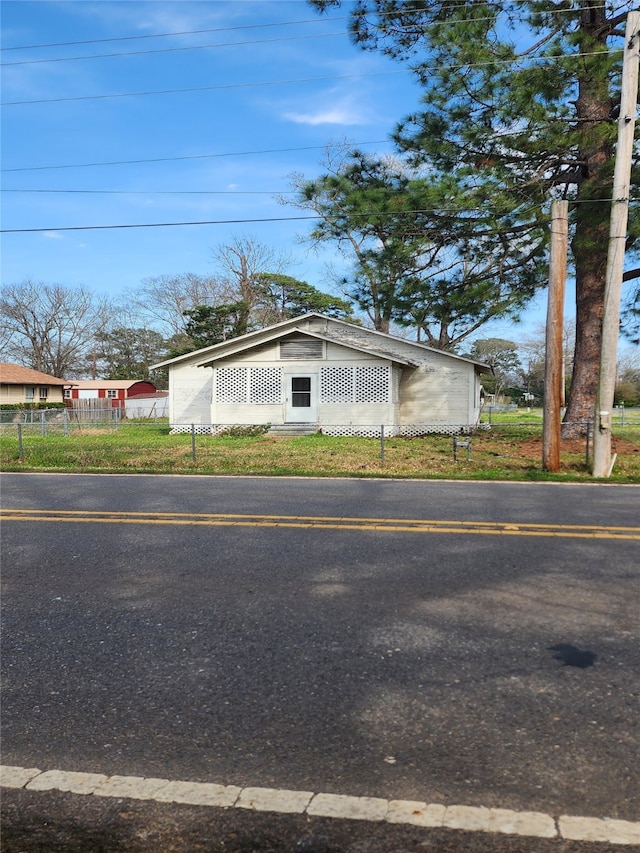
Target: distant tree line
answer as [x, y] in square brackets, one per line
[71, 333]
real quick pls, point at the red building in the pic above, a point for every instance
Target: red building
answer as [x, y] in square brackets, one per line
[116, 390]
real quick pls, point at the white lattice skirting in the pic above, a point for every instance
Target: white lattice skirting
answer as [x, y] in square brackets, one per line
[338, 430]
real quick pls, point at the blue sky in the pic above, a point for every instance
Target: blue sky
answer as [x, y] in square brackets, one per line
[266, 86]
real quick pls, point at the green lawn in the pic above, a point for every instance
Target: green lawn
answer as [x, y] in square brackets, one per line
[507, 451]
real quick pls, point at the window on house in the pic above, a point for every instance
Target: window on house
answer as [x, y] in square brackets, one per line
[29, 393]
[112, 395]
[44, 393]
[67, 393]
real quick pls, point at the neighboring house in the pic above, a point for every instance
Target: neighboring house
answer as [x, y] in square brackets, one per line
[116, 390]
[324, 374]
[21, 385]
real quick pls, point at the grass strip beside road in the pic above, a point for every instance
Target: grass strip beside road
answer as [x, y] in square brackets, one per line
[506, 452]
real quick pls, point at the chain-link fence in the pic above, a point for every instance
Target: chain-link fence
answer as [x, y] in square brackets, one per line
[55, 440]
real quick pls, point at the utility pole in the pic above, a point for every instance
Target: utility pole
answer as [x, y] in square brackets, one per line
[602, 462]
[553, 359]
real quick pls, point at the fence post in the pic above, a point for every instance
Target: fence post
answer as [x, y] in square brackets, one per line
[382, 442]
[65, 422]
[20, 447]
[193, 442]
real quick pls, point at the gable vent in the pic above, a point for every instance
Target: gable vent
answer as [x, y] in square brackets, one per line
[302, 348]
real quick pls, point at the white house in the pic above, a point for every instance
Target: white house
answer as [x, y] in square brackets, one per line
[317, 373]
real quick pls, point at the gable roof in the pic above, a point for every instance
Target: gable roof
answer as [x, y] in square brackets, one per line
[15, 374]
[330, 329]
[278, 335]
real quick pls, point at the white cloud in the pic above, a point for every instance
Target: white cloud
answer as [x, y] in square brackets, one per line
[333, 115]
[345, 107]
[52, 235]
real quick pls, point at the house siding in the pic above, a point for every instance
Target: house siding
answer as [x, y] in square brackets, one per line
[436, 395]
[15, 394]
[190, 394]
[362, 378]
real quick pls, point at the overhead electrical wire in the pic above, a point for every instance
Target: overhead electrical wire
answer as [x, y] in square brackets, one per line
[316, 20]
[222, 87]
[156, 192]
[323, 79]
[170, 49]
[210, 88]
[254, 220]
[154, 225]
[179, 33]
[186, 48]
[185, 157]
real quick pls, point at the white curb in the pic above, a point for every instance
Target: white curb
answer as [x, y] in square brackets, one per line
[416, 813]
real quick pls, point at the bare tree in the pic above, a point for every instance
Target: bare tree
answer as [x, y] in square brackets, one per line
[163, 300]
[50, 327]
[162, 303]
[242, 263]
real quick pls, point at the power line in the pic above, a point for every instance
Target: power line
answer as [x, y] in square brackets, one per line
[155, 225]
[185, 48]
[156, 192]
[179, 33]
[186, 157]
[454, 210]
[461, 5]
[301, 218]
[222, 87]
[262, 83]
[170, 49]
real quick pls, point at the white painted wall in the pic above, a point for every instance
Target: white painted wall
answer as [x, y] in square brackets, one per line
[190, 394]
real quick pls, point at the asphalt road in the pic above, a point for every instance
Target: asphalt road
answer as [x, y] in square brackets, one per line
[320, 635]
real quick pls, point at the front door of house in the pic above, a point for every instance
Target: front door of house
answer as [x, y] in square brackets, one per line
[300, 406]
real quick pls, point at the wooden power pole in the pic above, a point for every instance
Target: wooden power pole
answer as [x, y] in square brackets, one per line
[553, 362]
[602, 462]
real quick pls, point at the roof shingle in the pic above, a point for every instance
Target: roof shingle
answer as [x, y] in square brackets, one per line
[15, 374]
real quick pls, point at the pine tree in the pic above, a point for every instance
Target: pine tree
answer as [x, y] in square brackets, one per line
[519, 106]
